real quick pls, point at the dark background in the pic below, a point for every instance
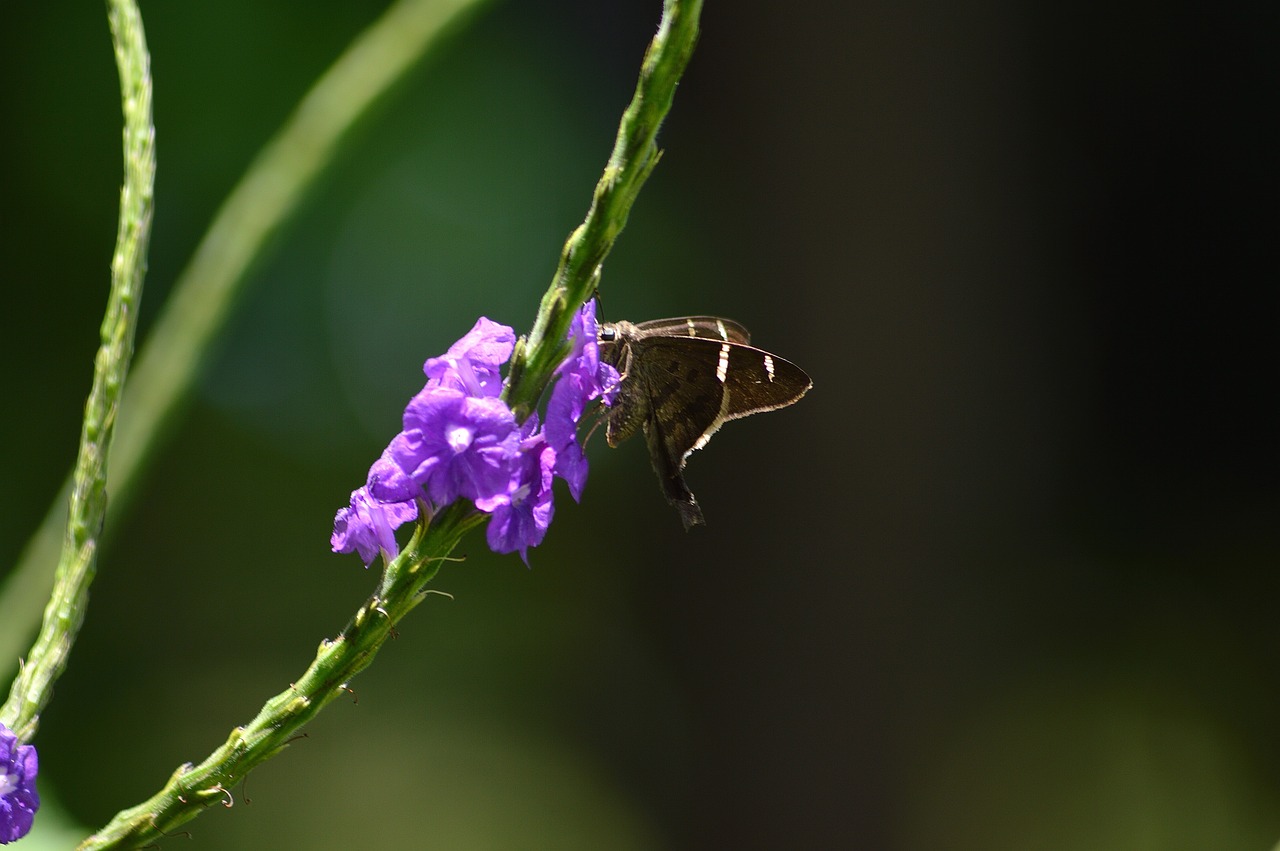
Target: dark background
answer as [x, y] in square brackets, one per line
[1005, 579]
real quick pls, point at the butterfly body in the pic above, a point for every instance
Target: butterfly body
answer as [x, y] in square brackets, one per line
[683, 378]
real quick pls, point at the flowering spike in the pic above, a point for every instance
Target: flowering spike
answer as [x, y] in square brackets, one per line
[461, 441]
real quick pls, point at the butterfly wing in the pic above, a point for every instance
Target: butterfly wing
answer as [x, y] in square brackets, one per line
[758, 381]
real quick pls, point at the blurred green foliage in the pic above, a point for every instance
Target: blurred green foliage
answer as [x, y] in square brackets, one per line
[1004, 579]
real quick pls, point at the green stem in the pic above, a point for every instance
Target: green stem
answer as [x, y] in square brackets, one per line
[635, 153]
[64, 613]
[192, 789]
[265, 199]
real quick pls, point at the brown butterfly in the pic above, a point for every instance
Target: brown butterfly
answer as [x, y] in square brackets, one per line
[681, 379]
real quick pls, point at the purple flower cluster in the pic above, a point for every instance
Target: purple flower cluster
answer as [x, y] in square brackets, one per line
[461, 441]
[18, 798]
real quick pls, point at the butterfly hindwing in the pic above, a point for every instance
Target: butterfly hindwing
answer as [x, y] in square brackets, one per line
[702, 327]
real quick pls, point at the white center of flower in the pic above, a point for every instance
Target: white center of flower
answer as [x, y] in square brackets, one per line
[459, 438]
[8, 784]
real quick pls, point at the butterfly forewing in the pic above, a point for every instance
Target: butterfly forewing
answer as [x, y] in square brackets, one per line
[760, 381]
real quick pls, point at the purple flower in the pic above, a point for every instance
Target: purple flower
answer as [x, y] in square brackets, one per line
[471, 364]
[600, 379]
[18, 798]
[452, 446]
[368, 526]
[582, 377]
[522, 514]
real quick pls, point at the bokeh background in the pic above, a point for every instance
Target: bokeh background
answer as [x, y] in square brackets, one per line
[1005, 579]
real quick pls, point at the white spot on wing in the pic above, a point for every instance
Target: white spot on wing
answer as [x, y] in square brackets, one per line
[724, 334]
[722, 368]
[768, 366]
[692, 329]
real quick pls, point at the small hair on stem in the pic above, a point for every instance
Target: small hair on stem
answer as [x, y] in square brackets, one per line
[244, 788]
[455, 559]
[228, 800]
[160, 831]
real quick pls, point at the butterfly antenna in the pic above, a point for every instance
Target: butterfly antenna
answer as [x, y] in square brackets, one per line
[595, 293]
[596, 419]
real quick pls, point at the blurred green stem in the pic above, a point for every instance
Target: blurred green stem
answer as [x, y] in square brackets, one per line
[64, 613]
[266, 198]
[635, 153]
